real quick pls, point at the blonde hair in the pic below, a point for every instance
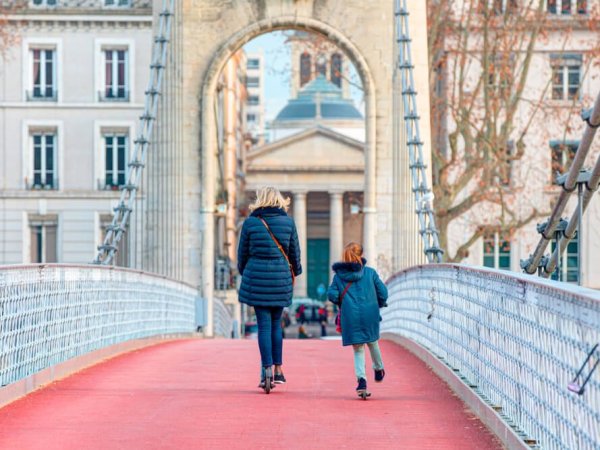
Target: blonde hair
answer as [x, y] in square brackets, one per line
[270, 196]
[352, 253]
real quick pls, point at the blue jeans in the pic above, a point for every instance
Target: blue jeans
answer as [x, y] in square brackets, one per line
[270, 336]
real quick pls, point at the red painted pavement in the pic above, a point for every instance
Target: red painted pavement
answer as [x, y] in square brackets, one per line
[202, 394]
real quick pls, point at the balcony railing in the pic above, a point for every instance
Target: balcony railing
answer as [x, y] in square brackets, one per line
[113, 96]
[104, 186]
[43, 186]
[41, 96]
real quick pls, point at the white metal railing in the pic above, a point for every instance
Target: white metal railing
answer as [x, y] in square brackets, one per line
[223, 320]
[51, 313]
[516, 339]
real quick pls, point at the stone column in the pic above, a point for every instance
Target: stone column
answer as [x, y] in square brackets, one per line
[300, 219]
[336, 227]
[370, 193]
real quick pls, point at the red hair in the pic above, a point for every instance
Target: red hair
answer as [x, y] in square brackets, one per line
[352, 253]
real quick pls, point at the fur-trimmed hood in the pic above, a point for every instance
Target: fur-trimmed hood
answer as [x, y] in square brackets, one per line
[268, 211]
[350, 271]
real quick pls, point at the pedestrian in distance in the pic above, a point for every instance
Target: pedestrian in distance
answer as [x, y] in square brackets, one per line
[285, 322]
[302, 333]
[301, 315]
[268, 261]
[323, 321]
[359, 293]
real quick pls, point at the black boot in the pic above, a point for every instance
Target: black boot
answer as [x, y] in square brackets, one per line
[362, 385]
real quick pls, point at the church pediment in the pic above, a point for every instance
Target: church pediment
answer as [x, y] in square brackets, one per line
[316, 149]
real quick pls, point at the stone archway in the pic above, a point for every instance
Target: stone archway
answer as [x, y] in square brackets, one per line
[207, 33]
[209, 145]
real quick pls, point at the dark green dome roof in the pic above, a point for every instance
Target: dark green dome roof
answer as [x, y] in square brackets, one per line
[330, 99]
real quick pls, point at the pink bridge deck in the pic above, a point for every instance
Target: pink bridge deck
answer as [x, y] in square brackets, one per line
[202, 394]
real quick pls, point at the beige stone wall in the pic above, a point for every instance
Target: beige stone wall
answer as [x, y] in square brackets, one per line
[211, 31]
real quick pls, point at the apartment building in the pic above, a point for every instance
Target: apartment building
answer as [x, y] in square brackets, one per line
[71, 91]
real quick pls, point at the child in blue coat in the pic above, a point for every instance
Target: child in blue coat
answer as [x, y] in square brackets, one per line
[359, 293]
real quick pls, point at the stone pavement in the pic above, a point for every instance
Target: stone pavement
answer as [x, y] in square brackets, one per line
[202, 394]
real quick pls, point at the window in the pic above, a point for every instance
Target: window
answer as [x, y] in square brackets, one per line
[305, 66]
[121, 257]
[43, 238]
[566, 76]
[497, 7]
[504, 166]
[43, 2]
[336, 69]
[251, 118]
[252, 82]
[43, 74]
[117, 3]
[253, 100]
[500, 72]
[44, 160]
[321, 65]
[253, 63]
[569, 262]
[562, 156]
[496, 251]
[116, 74]
[501, 6]
[115, 152]
[566, 7]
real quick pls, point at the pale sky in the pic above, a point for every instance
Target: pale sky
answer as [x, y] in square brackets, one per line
[277, 72]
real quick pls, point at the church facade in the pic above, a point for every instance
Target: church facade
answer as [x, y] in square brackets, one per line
[317, 158]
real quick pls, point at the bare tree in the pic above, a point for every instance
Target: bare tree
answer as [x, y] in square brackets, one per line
[487, 94]
[9, 31]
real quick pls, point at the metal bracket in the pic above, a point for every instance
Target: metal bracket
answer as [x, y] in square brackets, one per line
[586, 115]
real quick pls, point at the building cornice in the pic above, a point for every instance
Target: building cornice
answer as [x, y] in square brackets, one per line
[551, 25]
[141, 18]
[31, 194]
[300, 186]
[305, 169]
[304, 134]
[55, 105]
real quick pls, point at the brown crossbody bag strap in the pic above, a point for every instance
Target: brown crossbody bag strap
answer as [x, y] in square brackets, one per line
[338, 317]
[280, 249]
[344, 292]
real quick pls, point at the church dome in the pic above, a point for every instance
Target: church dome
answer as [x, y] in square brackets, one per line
[319, 99]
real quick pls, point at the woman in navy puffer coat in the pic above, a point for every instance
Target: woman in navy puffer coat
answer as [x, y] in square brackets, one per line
[266, 275]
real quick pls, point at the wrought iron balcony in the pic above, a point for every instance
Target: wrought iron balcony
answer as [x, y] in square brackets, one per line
[53, 186]
[42, 96]
[117, 95]
[103, 185]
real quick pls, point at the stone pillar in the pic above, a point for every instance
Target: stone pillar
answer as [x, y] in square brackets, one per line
[336, 228]
[300, 219]
[370, 212]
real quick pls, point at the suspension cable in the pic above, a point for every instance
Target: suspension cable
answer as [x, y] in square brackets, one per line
[418, 169]
[122, 212]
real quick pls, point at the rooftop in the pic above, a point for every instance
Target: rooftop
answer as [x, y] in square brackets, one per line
[319, 99]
